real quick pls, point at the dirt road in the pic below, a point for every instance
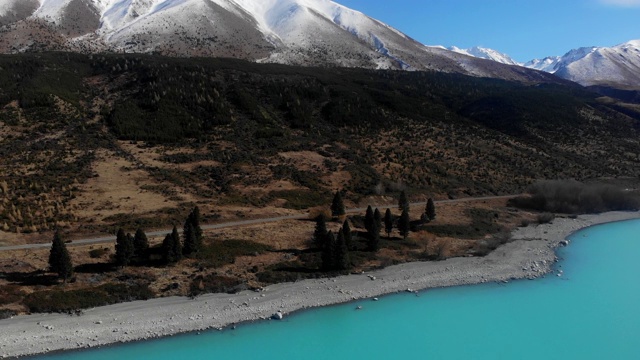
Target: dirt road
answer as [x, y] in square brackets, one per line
[112, 238]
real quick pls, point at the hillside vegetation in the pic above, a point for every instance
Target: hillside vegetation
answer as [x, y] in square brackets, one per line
[95, 142]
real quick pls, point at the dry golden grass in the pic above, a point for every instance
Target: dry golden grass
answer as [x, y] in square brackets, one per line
[117, 189]
[304, 160]
[284, 237]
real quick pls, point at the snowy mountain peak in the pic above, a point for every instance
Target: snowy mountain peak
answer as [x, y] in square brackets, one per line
[548, 64]
[486, 53]
[295, 32]
[617, 66]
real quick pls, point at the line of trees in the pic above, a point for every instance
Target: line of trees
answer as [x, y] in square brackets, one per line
[334, 249]
[173, 250]
[130, 248]
[373, 223]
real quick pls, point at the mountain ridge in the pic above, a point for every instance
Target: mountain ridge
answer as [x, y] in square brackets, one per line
[616, 66]
[293, 32]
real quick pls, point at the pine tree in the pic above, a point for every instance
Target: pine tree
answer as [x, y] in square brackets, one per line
[369, 220]
[342, 261]
[192, 233]
[59, 259]
[374, 242]
[124, 248]
[171, 247]
[190, 240]
[329, 252]
[372, 224]
[430, 210]
[404, 224]
[337, 205]
[377, 221]
[403, 202]
[320, 233]
[346, 230]
[388, 222]
[177, 246]
[167, 250]
[140, 244]
[195, 221]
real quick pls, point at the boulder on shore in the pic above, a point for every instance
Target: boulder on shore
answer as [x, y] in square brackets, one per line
[277, 316]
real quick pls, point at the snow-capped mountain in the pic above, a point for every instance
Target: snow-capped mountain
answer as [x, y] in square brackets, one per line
[298, 32]
[553, 63]
[486, 53]
[616, 66]
[548, 64]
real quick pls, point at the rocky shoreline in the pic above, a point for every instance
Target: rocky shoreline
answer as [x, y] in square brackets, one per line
[530, 255]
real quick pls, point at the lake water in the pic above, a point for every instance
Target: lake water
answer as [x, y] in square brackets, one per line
[591, 312]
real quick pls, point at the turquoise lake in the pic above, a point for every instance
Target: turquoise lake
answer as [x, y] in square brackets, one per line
[591, 312]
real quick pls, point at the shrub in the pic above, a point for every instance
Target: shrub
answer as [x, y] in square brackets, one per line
[485, 246]
[545, 218]
[65, 301]
[573, 197]
[98, 253]
[220, 253]
[10, 294]
[5, 314]
[301, 199]
[216, 284]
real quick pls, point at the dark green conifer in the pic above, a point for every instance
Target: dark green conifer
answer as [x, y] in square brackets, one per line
[171, 247]
[374, 241]
[191, 245]
[59, 259]
[403, 202]
[404, 224]
[195, 222]
[124, 248]
[337, 205]
[346, 230]
[369, 220]
[167, 250]
[177, 245]
[320, 232]
[430, 210]
[192, 233]
[140, 244]
[377, 217]
[329, 252]
[342, 262]
[388, 222]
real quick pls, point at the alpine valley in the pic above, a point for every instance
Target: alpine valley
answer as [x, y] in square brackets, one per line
[130, 114]
[294, 32]
[614, 67]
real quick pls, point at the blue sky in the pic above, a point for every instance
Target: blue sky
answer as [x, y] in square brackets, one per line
[523, 29]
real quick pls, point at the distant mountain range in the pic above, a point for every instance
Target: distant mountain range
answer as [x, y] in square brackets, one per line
[294, 32]
[617, 66]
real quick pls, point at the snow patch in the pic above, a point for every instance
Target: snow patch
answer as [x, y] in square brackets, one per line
[486, 53]
[51, 9]
[6, 6]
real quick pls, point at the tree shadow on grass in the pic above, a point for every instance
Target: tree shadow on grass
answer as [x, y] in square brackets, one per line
[97, 268]
[38, 277]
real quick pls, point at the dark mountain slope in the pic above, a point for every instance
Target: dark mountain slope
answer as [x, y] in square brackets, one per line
[234, 132]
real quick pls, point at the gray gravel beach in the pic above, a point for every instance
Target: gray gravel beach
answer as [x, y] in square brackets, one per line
[529, 256]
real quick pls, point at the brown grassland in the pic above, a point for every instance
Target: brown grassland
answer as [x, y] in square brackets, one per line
[90, 144]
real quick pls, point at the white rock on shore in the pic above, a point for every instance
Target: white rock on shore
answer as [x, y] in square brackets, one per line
[531, 255]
